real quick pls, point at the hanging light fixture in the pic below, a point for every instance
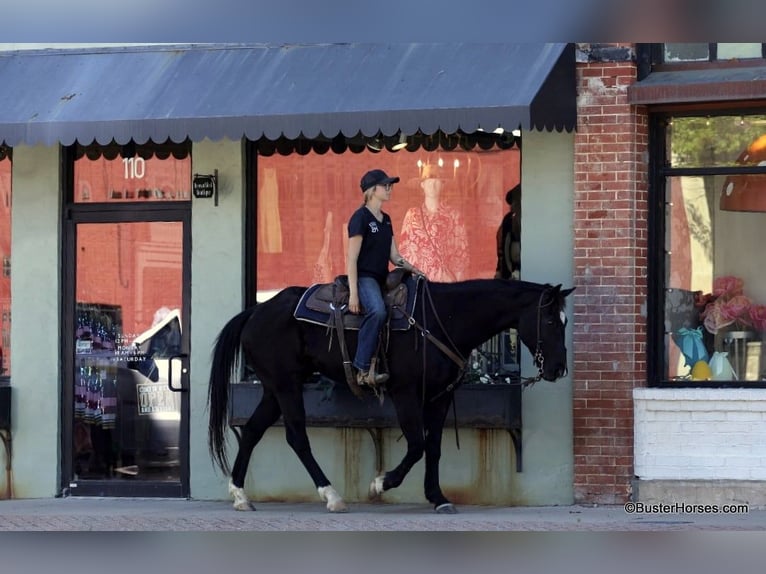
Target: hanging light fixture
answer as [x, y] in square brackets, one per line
[401, 144]
[375, 144]
[747, 192]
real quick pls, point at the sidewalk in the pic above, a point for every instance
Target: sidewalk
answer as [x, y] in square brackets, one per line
[173, 515]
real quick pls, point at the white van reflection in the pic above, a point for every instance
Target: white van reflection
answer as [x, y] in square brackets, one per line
[150, 412]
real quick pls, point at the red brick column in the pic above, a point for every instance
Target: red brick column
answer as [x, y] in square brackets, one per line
[610, 261]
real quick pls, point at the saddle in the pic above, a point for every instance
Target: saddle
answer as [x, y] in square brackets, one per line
[326, 304]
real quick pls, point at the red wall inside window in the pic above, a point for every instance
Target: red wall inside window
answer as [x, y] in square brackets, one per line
[134, 265]
[304, 202]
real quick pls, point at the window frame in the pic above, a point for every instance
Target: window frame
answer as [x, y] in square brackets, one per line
[659, 171]
[651, 58]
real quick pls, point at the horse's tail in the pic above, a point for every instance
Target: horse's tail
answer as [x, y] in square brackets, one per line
[225, 366]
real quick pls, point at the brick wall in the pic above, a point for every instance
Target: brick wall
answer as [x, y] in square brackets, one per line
[610, 257]
[700, 434]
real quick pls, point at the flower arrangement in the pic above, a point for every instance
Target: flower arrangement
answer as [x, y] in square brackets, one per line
[728, 305]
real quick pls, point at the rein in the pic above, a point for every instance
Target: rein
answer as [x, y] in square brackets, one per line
[453, 354]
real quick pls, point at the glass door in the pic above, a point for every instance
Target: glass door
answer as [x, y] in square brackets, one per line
[129, 429]
[125, 343]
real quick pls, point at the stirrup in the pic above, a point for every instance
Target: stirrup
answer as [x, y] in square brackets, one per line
[370, 378]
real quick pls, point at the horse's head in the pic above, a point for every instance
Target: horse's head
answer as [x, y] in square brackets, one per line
[542, 326]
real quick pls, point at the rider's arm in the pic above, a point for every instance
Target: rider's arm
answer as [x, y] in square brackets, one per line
[354, 247]
[399, 261]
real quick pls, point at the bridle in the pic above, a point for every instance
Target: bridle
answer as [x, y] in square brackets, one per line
[538, 356]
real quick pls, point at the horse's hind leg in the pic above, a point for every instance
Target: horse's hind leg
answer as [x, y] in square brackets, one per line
[266, 414]
[294, 416]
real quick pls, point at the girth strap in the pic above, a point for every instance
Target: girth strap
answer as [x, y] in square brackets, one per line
[337, 313]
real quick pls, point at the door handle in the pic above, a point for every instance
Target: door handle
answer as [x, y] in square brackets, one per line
[184, 370]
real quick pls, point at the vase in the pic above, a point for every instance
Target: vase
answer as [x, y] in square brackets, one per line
[738, 345]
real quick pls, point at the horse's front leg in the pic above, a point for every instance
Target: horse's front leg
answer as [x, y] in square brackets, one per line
[410, 418]
[434, 415]
[294, 415]
[266, 414]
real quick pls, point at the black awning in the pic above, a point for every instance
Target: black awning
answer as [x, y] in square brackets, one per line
[231, 91]
[704, 85]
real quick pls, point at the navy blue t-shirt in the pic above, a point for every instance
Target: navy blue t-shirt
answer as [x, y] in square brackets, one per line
[376, 243]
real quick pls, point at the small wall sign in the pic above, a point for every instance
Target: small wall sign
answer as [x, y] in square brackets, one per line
[205, 185]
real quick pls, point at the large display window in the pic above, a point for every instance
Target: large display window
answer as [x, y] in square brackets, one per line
[714, 297]
[453, 212]
[446, 211]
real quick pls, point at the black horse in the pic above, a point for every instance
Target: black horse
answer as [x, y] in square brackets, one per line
[284, 353]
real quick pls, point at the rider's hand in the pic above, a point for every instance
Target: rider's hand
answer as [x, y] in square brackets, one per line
[353, 303]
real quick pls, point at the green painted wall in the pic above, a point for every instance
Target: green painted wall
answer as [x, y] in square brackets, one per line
[35, 328]
[217, 291]
[482, 471]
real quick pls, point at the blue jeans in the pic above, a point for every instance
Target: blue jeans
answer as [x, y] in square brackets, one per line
[371, 300]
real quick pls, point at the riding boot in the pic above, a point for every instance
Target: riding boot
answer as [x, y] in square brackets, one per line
[370, 377]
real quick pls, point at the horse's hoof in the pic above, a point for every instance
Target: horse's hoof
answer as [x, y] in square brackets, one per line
[246, 505]
[446, 508]
[376, 488]
[240, 498]
[337, 508]
[334, 501]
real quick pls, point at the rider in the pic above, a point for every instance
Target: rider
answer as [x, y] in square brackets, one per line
[371, 246]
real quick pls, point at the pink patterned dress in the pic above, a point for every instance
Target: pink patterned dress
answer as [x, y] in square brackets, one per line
[436, 243]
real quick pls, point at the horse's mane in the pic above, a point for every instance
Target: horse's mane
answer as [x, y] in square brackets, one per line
[513, 284]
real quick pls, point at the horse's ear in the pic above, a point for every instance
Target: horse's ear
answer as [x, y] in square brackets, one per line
[566, 292]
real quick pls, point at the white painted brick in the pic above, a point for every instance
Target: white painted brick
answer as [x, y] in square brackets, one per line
[695, 428]
[745, 415]
[670, 415]
[734, 427]
[709, 416]
[700, 434]
[743, 462]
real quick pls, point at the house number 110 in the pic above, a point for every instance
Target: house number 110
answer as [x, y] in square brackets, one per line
[135, 167]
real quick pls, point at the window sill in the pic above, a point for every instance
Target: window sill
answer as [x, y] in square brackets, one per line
[690, 384]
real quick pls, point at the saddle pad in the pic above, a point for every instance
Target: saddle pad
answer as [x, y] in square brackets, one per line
[351, 321]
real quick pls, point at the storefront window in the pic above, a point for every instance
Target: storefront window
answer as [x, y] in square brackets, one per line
[5, 261]
[446, 212]
[304, 202]
[116, 174]
[715, 230]
[691, 52]
[686, 52]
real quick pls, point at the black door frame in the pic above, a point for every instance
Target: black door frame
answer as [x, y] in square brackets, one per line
[74, 214]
